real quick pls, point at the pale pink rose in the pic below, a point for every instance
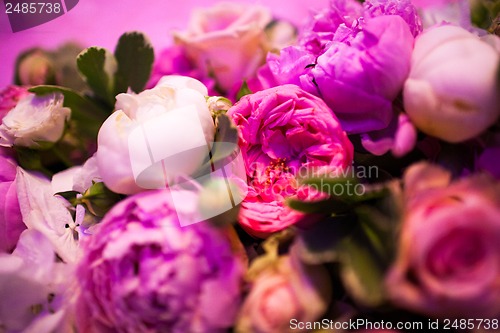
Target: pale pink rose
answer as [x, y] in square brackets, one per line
[451, 92]
[285, 291]
[448, 262]
[227, 41]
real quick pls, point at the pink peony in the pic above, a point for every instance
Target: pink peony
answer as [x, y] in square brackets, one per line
[281, 130]
[448, 262]
[142, 272]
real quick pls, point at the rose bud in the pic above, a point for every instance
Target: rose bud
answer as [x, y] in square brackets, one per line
[283, 290]
[36, 68]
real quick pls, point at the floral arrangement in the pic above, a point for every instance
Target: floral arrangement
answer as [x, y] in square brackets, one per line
[258, 176]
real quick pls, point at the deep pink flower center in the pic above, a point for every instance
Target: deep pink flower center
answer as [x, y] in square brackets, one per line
[457, 254]
[275, 170]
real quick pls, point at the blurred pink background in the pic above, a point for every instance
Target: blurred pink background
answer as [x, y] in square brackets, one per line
[100, 23]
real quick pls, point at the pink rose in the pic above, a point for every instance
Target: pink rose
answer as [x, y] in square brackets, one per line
[227, 41]
[283, 293]
[11, 221]
[282, 130]
[448, 263]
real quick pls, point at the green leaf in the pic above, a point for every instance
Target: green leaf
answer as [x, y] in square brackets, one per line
[98, 66]
[135, 58]
[244, 90]
[362, 273]
[85, 113]
[328, 206]
[99, 199]
[70, 196]
[225, 145]
[342, 240]
[321, 242]
[30, 159]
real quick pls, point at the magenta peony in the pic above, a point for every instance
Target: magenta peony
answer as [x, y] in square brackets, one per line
[322, 26]
[142, 272]
[403, 8]
[448, 262]
[281, 130]
[361, 76]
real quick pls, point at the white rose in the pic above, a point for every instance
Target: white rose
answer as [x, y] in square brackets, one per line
[451, 92]
[34, 120]
[164, 131]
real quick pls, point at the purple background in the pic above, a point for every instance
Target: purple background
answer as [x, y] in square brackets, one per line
[101, 22]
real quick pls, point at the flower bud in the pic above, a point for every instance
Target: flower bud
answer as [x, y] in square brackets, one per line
[451, 92]
[35, 69]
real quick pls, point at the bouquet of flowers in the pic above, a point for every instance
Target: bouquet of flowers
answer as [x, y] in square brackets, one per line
[259, 177]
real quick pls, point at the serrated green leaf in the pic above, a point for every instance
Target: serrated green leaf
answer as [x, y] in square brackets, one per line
[135, 58]
[98, 66]
[87, 115]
